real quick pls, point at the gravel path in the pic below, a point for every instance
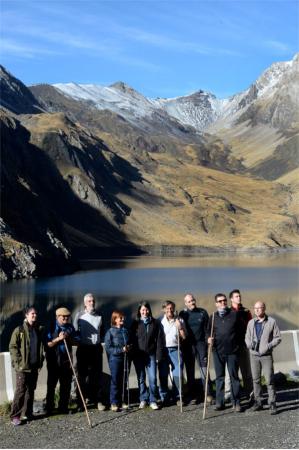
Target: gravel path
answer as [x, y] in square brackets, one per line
[166, 428]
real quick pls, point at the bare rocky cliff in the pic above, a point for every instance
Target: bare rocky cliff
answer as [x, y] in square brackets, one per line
[81, 181]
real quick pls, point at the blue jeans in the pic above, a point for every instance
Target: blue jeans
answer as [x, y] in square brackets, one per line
[116, 365]
[170, 362]
[146, 363]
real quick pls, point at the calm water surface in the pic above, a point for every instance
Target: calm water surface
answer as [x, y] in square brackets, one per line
[122, 283]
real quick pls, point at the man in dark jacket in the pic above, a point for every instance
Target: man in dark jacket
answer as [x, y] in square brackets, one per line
[244, 316]
[195, 345]
[225, 339]
[88, 324]
[26, 350]
[58, 363]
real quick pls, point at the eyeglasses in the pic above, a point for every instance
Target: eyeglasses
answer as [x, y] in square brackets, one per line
[222, 301]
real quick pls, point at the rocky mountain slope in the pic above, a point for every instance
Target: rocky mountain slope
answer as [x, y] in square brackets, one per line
[88, 174]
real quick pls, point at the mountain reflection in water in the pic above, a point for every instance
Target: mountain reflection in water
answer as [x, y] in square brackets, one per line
[122, 283]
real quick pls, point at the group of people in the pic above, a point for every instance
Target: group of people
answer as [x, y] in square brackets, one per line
[156, 346]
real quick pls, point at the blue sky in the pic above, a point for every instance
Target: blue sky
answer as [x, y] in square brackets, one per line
[161, 48]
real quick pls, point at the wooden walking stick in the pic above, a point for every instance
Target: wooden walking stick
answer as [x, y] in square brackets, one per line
[79, 389]
[208, 367]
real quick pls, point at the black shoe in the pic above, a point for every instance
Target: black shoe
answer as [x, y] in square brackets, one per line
[219, 408]
[62, 410]
[273, 409]
[257, 406]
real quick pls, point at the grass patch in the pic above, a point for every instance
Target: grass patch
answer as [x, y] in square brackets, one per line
[5, 409]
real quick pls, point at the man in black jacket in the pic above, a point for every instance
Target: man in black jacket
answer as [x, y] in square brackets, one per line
[195, 345]
[225, 339]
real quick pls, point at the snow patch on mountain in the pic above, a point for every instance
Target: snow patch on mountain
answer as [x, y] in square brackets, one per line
[199, 109]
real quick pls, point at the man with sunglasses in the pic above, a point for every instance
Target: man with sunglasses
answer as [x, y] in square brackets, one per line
[225, 338]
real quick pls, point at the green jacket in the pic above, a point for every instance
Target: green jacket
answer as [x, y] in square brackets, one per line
[19, 348]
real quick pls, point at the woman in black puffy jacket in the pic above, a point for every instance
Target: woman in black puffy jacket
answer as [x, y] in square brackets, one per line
[147, 338]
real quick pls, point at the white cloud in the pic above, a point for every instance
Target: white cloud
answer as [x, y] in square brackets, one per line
[277, 46]
[9, 46]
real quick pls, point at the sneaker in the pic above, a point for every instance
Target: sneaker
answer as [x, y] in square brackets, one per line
[238, 408]
[101, 407]
[16, 421]
[114, 408]
[154, 405]
[210, 399]
[125, 406]
[257, 406]
[142, 404]
[273, 409]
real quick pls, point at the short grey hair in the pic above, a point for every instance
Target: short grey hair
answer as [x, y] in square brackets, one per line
[86, 296]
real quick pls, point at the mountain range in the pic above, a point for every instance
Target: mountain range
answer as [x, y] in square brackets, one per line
[89, 170]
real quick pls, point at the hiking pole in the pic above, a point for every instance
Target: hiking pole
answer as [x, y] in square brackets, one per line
[208, 367]
[79, 389]
[128, 386]
[124, 378]
[180, 375]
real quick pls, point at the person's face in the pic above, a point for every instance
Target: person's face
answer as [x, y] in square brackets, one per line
[190, 302]
[259, 310]
[119, 321]
[31, 317]
[169, 311]
[62, 320]
[221, 303]
[89, 304]
[236, 298]
[144, 312]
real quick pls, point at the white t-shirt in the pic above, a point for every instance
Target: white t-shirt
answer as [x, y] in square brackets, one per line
[171, 331]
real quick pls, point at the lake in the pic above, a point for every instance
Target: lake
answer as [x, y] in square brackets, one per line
[122, 283]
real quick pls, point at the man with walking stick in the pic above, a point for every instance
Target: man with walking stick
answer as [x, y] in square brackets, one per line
[58, 361]
[226, 339]
[174, 330]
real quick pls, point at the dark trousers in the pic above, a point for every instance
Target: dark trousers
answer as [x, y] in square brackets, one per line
[62, 374]
[89, 372]
[232, 367]
[24, 394]
[118, 379]
[197, 351]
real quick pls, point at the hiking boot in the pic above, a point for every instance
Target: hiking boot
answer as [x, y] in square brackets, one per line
[142, 404]
[154, 405]
[16, 421]
[257, 406]
[273, 409]
[101, 407]
[114, 408]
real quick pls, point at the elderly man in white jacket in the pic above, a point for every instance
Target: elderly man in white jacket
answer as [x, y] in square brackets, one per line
[262, 336]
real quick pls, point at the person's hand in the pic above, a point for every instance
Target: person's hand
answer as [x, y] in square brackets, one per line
[62, 335]
[210, 340]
